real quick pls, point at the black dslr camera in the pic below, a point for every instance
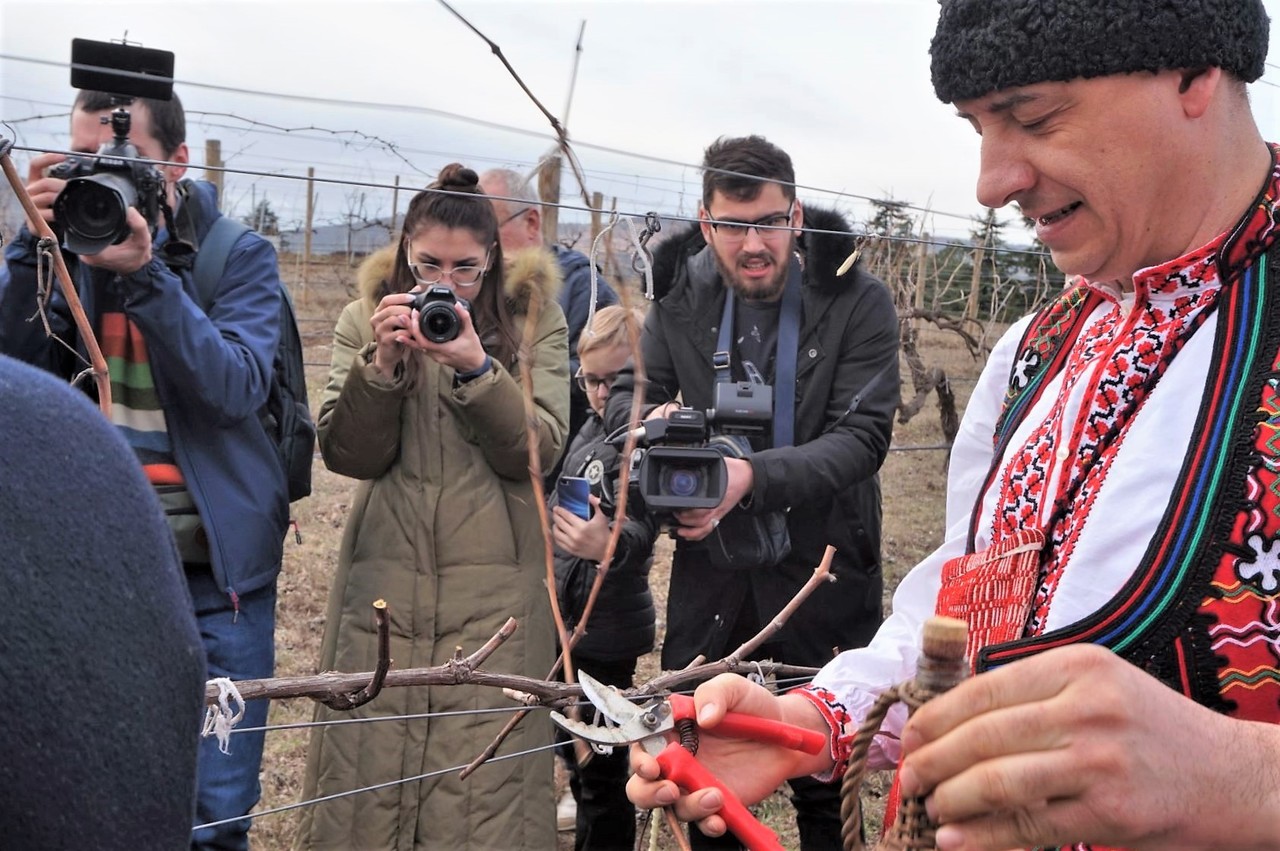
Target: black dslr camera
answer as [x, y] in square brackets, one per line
[438, 318]
[683, 465]
[101, 188]
[90, 211]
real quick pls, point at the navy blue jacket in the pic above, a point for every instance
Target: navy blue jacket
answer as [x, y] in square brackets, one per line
[212, 373]
[575, 300]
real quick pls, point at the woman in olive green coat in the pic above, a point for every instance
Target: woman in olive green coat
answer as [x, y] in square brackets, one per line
[445, 528]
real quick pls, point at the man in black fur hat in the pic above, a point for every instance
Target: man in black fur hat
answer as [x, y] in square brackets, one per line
[748, 287]
[1113, 486]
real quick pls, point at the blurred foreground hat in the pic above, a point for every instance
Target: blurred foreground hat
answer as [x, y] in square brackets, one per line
[982, 46]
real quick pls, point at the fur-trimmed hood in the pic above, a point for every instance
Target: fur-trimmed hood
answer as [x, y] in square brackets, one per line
[824, 252]
[527, 271]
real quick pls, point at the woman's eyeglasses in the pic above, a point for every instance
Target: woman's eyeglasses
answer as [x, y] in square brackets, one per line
[429, 274]
[589, 383]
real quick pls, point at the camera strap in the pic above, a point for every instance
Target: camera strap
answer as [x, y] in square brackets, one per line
[784, 396]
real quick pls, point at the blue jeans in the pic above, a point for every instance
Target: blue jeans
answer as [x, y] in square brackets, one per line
[239, 645]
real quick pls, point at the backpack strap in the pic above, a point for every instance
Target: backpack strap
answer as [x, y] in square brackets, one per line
[211, 258]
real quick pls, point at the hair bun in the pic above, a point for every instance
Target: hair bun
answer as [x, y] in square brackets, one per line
[456, 177]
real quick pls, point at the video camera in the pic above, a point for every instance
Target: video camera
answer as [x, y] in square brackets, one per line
[679, 463]
[91, 209]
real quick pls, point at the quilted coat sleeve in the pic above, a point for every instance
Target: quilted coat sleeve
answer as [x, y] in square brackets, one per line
[359, 420]
[493, 404]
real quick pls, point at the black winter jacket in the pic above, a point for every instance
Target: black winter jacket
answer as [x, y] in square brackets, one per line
[622, 620]
[827, 481]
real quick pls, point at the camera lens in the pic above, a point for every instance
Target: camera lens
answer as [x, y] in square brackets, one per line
[93, 209]
[439, 323]
[682, 481]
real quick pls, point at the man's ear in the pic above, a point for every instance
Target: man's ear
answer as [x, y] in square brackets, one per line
[533, 225]
[704, 222]
[1197, 88]
[797, 218]
[173, 173]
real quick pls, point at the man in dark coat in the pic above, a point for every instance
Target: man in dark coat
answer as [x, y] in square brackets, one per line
[749, 244]
[98, 644]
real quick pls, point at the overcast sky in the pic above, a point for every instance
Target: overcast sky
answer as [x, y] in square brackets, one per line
[842, 85]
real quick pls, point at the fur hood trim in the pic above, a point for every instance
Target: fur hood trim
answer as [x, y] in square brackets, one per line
[534, 269]
[530, 270]
[824, 252]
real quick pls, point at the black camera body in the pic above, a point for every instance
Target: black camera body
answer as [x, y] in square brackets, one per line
[682, 465]
[91, 209]
[742, 407]
[682, 472]
[437, 308]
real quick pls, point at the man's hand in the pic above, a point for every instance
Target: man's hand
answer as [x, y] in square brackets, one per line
[698, 523]
[581, 538]
[130, 255]
[43, 190]
[750, 769]
[1077, 745]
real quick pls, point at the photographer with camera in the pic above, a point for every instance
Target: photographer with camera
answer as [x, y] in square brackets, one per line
[187, 386]
[444, 525]
[746, 285]
[621, 628]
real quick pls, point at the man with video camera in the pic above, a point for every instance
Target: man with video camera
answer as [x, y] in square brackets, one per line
[188, 380]
[827, 343]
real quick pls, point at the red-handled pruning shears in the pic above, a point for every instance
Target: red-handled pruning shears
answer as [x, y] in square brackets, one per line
[650, 723]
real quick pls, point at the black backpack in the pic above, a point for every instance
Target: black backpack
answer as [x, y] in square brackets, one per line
[286, 416]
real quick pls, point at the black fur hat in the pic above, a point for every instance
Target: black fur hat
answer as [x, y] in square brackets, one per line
[983, 46]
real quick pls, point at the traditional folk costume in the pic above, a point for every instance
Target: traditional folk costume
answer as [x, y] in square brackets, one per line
[1116, 479]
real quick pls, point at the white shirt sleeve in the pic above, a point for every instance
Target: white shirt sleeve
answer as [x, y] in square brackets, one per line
[848, 686]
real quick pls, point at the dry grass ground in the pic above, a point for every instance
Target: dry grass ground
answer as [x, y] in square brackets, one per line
[913, 484]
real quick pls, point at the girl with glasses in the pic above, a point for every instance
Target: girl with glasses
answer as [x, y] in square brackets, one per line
[444, 527]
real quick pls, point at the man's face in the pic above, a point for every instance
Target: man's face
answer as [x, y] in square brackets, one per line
[519, 225]
[1097, 164]
[753, 263]
[88, 133]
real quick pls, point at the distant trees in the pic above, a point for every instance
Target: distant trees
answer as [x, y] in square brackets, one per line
[970, 288]
[263, 219]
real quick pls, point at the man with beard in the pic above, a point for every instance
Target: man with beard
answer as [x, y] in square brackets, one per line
[828, 344]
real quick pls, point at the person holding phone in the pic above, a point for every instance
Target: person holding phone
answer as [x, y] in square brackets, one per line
[621, 625]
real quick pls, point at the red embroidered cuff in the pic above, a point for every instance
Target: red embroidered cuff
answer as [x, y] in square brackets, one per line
[841, 724]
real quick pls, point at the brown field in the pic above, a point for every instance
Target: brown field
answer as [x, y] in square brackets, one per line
[913, 483]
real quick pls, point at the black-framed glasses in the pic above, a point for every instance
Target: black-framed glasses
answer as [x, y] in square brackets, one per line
[429, 274]
[771, 228]
[589, 383]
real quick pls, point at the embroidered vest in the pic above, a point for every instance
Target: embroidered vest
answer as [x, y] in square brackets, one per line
[1199, 612]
